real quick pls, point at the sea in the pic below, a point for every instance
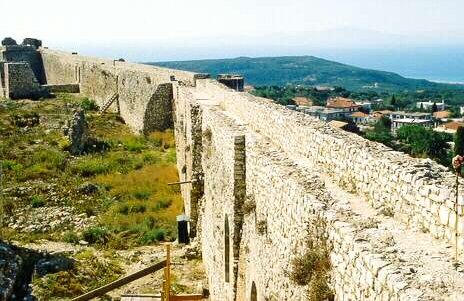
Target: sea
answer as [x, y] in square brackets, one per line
[439, 64]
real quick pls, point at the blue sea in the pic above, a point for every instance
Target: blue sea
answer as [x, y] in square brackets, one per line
[438, 64]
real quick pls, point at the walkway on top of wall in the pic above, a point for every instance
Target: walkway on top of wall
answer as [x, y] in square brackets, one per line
[411, 261]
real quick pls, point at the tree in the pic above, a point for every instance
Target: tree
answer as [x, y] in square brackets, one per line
[393, 101]
[434, 107]
[381, 132]
[459, 142]
[424, 142]
[384, 123]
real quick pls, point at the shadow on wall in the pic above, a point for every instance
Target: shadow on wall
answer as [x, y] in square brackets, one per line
[158, 114]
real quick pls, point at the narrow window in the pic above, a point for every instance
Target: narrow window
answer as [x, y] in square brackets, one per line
[226, 249]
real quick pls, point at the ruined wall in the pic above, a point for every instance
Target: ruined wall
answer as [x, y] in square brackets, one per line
[2, 79]
[139, 87]
[20, 53]
[20, 82]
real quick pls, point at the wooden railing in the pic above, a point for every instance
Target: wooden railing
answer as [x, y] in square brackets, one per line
[166, 290]
[120, 282]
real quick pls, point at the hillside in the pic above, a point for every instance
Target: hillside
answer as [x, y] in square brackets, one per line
[305, 70]
[78, 221]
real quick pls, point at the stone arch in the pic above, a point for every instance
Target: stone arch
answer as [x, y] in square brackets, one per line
[254, 292]
[226, 249]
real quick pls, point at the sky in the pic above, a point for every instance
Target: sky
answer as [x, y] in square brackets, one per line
[193, 29]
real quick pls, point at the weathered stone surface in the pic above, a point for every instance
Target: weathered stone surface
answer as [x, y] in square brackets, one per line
[8, 42]
[78, 133]
[20, 82]
[232, 146]
[10, 266]
[36, 43]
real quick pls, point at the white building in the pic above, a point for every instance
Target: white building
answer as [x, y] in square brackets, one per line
[410, 115]
[398, 123]
[366, 105]
[427, 105]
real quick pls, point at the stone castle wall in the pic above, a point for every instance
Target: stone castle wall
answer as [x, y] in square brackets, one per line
[20, 53]
[261, 178]
[139, 87]
[20, 81]
[419, 192]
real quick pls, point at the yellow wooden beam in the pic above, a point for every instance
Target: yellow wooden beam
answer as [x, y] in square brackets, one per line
[185, 297]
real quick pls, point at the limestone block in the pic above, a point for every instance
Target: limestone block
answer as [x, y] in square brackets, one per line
[444, 215]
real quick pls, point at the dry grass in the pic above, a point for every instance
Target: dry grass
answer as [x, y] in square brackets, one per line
[312, 268]
[135, 204]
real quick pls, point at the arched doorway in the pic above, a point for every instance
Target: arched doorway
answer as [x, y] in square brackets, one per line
[254, 292]
[226, 249]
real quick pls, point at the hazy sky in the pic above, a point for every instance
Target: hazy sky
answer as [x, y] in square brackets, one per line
[162, 30]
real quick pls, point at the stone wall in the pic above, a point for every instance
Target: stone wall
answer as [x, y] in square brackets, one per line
[20, 82]
[287, 157]
[20, 53]
[419, 192]
[139, 86]
[259, 178]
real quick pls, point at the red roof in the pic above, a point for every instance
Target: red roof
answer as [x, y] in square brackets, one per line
[453, 125]
[341, 103]
[302, 101]
[359, 114]
[442, 114]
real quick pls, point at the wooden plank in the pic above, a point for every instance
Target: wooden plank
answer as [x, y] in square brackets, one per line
[120, 282]
[186, 297]
[140, 297]
[182, 182]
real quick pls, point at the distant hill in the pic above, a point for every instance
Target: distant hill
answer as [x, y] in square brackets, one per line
[306, 70]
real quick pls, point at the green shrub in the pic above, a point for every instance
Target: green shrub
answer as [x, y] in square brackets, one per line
[90, 167]
[149, 222]
[150, 158]
[134, 144]
[123, 209]
[11, 165]
[70, 237]
[142, 194]
[49, 158]
[96, 235]
[134, 208]
[37, 201]
[162, 204]
[137, 208]
[155, 235]
[88, 105]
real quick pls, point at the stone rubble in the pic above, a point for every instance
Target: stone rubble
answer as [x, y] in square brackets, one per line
[50, 218]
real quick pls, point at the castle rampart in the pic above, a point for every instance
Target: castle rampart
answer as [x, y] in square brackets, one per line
[264, 179]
